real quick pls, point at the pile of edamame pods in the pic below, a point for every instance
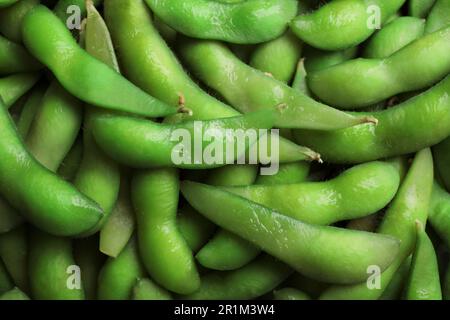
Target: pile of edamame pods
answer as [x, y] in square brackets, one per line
[93, 206]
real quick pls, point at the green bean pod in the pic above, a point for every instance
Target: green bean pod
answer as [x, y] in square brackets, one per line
[248, 89]
[420, 8]
[14, 253]
[11, 19]
[416, 66]
[46, 200]
[14, 58]
[393, 37]
[252, 281]
[410, 204]
[14, 294]
[290, 294]
[439, 16]
[342, 24]
[288, 173]
[50, 41]
[140, 143]
[309, 249]
[150, 64]
[49, 265]
[420, 122]
[299, 82]
[145, 289]
[119, 275]
[15, 86]
[245, 22]
[440, 213]
[316, 59]
[423, 281]
[69, 167]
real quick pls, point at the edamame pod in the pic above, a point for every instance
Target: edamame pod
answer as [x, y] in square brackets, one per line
[29, 110]
[140, 143]
[14, 294]
[420, 8]
[53, 272]
[248, 89]
[164, 252]
[194, 228]
[440, 213]
[288, 173]
[395, 287]
[46, 200]
[439, 16]
[250, 282]
[48, 39]
[71, 162]
[14, 58]
[146, 289]
[249, 21]
[323, 203]
[341, 24]
[11, 19]
[416, 66]
[423, 282]
[299, 82]
[316, 59]
[15, 86]
[14, 253]
[236, 175]
[150, 64]
[290, 294]
[309, 249]
[393, 37]
[119, 275]
[420, 122]
[410, 204]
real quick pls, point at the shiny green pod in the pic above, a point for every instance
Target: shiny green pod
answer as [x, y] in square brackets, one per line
[394, 36]
[119, 275]
[423, 282]
[417, 123]
[15, 86]
[14, 58]
[141, 143]
[420, 8]
[87, 78]
[252, 281]
[149, 63]
[29, 110]
[289, 294]
[316, 59]
[11, 19]
[194, 228]
[288, 173]
[248, 89]
[410, 204]
[245, 22]
[46, 200]
[53, 273]
[439, 215]
[146, 289]
[14, 253]
[416, 66]
[439, 16]
[69, 167]
[164, 252]
[342, 24]
[320, 252]
[14, 294]
[395, 288]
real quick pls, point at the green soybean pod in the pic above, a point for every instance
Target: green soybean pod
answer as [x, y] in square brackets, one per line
[299, 82]
[410, 204]
[236, 175]
[439, 16]
[252, 281]
[278, 57]
[48, 39]
[323, 203]
[90, 261]
[11, 19]
[98, 176]
[420, 122]
[341, 24]
[15, 86]
[311, 250]
[159, 73]
[244, 22]
[396, 286]
[441, 153]
[29, 110]
[164, 252]
[6, 3]
[194, 228]
[119, 275]
[55, 127]
[14, 294]
[14, 253]
[248, 89]
[146, 289]
[423, 281]
[15, 59]
[69, 167]
[316, 59]
[420, 8]
[290, 294]
[119, 228]
[53, 273]
[419, 65]
[393, 37]
[440, 213]
[288, 173]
